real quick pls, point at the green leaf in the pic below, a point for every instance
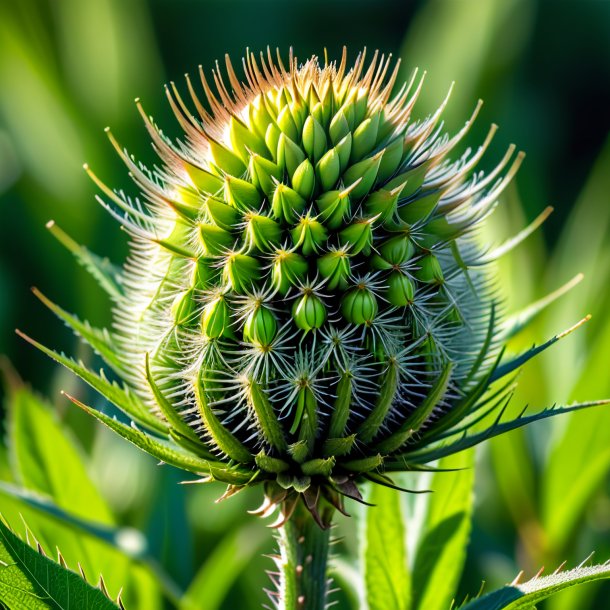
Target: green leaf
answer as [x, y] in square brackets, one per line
[127, 540]
[47, 460]
[121, 397]
[31, 581]
[525, 595]
[386, 577]
[441, 551]
[98, 338]
[428, 454]
[101, 269]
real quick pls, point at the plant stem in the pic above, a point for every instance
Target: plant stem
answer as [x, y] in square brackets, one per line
[303, 563]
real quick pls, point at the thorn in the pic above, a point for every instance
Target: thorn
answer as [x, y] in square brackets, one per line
[517, 579]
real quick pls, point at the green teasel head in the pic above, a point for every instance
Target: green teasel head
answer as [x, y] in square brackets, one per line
[308, 303]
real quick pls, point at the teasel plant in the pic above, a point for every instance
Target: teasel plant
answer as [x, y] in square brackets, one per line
[309, 303]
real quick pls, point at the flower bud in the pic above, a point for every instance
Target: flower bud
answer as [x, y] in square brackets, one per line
[336, 268]
[309, 235]
[400, 289]
[429, 270]
[216, 318]
[304, 179]
[260, 326]
[308, 312]
[287, 204]
[359, 306]
[288, 269]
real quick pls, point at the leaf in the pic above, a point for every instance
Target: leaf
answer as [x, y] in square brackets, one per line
[575, 470]
[525, 595]
[124, 399]
[386, 577]
[127, 540]
[167, 452]
[428, 454]
[31, 581]
[101, 269]
[98, 338]
[48, 461]
[213, 580]
[441, 551]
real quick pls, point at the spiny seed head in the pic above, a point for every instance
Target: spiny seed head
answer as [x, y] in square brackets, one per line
[306, 303]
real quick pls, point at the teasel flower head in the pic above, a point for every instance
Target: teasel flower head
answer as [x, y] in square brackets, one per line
[308, 302]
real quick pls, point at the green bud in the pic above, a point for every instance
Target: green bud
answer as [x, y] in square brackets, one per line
[333, 206]
[430, 270]
[260, 326]
[309, 234]
[328, 169]
[314, 139]
[308, 312]
[272, 139]
[203, 180]
[359, 305]
[287, 204]
[260, 118]
[183, 307]
[344, 149]
[317, 109]
[304, 179]
[242, 195]
[214, 240]
[392, 156]
[285, 121]
[336, 268]
[397, 249]
[226, 160]
[288, 269]
[216, 318]
[366, 170]
[339, 128]
[365, 137]
[289, 155]
[222, 215]
[263, 173]
[420, 208]
[204, 274]
[241, 271]
[382, 202]
[400, 289]
[262, 232]
[244, 140]
[358, 236]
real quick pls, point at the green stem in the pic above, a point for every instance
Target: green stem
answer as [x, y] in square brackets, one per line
[303, 564]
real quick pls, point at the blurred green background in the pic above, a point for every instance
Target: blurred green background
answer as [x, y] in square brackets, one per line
[68, 68]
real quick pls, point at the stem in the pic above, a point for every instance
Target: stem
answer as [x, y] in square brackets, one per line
[303, 563]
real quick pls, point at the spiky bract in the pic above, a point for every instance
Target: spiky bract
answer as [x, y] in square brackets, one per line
[306, 303]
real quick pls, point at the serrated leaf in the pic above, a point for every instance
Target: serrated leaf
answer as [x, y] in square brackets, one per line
[441, 551]
[128, 541]
[121, 397]
[31, 581]
[98, 338]
[386, 577]
[467, 441]
[107, 275]
[159, 449]
[47, 460]
[524, 596]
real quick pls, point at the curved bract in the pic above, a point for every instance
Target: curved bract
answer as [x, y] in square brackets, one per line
[307, 302]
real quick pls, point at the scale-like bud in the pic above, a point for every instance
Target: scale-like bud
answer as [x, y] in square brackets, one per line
[308, 303]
